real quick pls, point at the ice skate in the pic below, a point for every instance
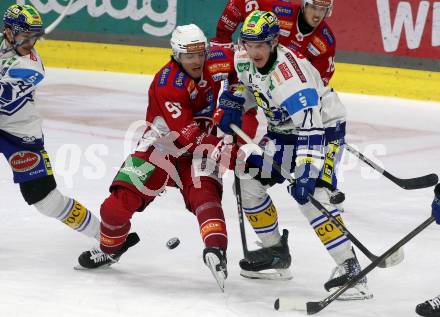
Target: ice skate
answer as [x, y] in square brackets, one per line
[215, 260]
[270, 263]
[342, 274]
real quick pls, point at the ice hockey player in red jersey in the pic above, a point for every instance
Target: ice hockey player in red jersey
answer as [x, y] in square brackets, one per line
[172, 151]
[302, 27]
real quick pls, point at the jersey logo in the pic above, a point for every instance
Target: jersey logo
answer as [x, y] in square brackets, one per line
[320, 44]
[220, 68]
[29, 76]
[302, 99]
[179, 80]
[24, 161]
[328, 36]
[285, 25]
[296, 67]
[282, 11]
[312, 49]
[241, 67]
[217, 54]
[285, 71]
[163, 77]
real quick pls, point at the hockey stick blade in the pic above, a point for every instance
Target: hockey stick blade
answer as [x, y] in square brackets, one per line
[405, 183]
[315, 307]
[413, 183]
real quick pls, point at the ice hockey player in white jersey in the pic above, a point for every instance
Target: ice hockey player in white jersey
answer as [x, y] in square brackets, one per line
[21, 137]
[290, 91]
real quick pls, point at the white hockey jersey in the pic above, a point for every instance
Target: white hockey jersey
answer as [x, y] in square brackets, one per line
[19, 77]
[290, 97]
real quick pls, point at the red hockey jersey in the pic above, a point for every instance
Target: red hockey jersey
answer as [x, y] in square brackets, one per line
[176, 100]
[319, 46]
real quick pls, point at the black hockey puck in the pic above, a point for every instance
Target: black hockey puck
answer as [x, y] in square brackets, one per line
[173, 243]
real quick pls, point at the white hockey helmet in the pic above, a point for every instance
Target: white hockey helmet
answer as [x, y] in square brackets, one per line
[188, 39]
[320, 3]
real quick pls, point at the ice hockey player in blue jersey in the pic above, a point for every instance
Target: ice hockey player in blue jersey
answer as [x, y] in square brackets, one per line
[21, 137]
[290, 92]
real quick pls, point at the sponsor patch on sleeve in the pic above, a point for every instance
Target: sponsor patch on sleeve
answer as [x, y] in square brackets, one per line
[163, 77]
[328, 36]
[179, 80]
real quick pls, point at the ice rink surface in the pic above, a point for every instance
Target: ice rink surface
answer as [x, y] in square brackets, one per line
[87, 115]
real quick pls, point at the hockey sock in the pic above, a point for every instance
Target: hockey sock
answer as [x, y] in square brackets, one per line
[205, 202]
[263, 217]
[70, 212]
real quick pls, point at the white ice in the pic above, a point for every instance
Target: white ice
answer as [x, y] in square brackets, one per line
[86, 118]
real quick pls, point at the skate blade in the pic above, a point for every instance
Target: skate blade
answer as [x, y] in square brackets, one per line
[219, 279]
[354, 293]
[101, 268]
[277, 274]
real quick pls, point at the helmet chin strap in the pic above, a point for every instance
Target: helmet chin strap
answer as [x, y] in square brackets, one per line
[13, 42]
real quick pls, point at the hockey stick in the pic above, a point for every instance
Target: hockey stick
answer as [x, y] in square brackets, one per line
[315, 307]
[393, 260]
[240, 214]
[46, 31]
[405, 183]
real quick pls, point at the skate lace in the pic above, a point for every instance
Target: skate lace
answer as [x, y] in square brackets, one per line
[435, 302]
[98, 256]
[351, 267]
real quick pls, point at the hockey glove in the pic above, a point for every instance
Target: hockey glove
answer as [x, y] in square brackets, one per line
[305, 176]
[230, 111]
[436, 209]
[278, 116]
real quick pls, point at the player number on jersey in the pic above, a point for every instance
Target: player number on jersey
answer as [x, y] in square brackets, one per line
[331, 64]
[174, 108]
[308, 113]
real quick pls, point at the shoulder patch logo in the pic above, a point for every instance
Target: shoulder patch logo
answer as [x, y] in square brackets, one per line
[163, 77]
[179, 80]
[328, 36]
